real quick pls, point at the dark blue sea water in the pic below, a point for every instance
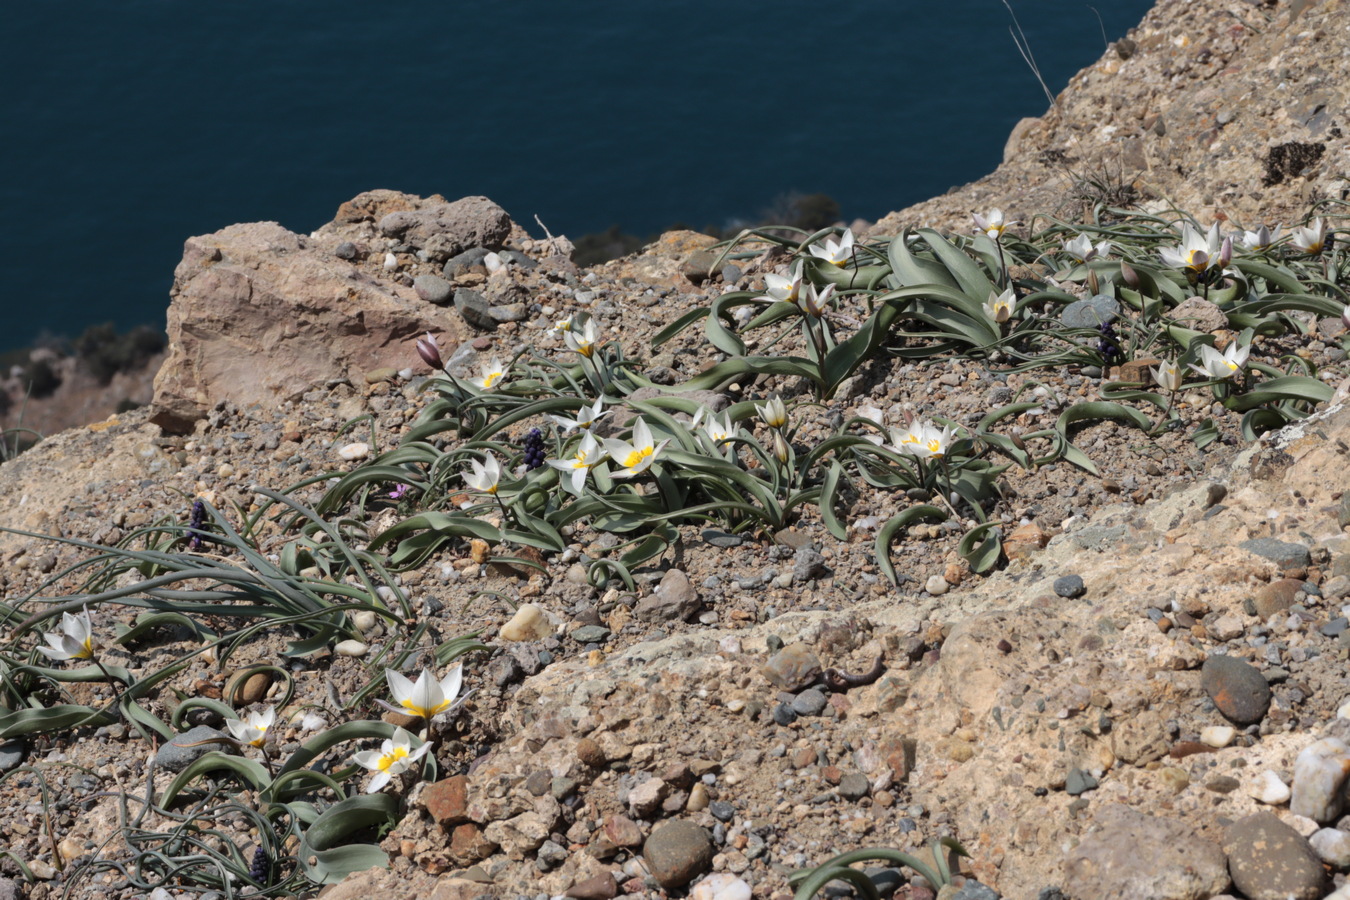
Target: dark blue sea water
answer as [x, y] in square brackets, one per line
[130, 125]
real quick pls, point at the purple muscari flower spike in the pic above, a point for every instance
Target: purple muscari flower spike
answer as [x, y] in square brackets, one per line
[196, 523]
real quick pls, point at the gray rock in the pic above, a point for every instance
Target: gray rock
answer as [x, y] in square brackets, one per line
[433, 289]
[504, 670]
[783, 715]
[345, 250]
[470, 222]
[722, 811]
[1090, 313]
[511, 312]
[854, 786]
[677, 852]
[1271, 861]
[475, 309]
[515, 257]
[809, 703]
[973, 890]
[1079, 782]
[674, 599]
[9, 889]
[551, 855]
[177, 754]
[590, 634]
[11, 754]
[1131, 856]
[1070, 586]
[721, 538]
[463, 262]
[1343, 511]
[1238, 690]
[1283, 553]
[807, 564]
[793, 668]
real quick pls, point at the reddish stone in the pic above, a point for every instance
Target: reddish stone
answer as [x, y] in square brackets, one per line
[468, 844]
[448, 801]
[622, 831]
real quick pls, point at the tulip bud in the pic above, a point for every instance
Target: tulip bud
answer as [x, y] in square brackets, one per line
[430, 352]
[1226, 253]
[1093, 282]
[780, 447]
[1129, 276]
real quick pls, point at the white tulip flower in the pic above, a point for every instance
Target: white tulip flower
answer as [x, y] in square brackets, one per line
[75, 640]
[492, 373]
[484, 477]
[637, 455]
[773, 413]
[586, 417]
[587, 455]
[394, 757]
[1000, 307]
[253, 731]
[1214, 364]
[836, 254]
[427, 696]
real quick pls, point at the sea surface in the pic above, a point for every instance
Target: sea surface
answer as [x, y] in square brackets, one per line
[131, 125]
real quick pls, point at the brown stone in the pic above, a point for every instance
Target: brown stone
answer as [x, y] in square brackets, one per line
[468, 844]
[448, 801]
[622, 831]
[261, 315]
[589, 752]
[254, 689]
[1275, 597]
[601, 887]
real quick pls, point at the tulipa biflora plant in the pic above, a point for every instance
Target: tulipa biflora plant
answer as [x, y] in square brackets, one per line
[536, 446]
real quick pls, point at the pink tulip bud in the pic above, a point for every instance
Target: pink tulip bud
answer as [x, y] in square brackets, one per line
[1129, 275]
[430, 351]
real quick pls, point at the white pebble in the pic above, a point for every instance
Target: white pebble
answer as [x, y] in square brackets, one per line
[492, 262]
[313, 722]
[1268, 788]
[1319, 775]
[225, 471]
[936, 585]
[721, 886]
[530, 623]
[351, 647]
[364, 621]
[358, 450]
[1218, 735]
[1344, 711]
[1332, 845]
[390, 261]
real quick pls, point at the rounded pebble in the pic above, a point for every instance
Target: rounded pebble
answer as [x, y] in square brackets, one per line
[357, 450]
[1237, 689]
[1269, 788]
[677, 852]
[809, 703]
[351, 648]
[936, 585]
[1070, 586]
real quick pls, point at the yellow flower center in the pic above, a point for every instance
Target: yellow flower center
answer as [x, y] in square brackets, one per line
[935, 447]
[1232, 366]
[88, 652]
[490, 379]
[393, 756]
[635, 458]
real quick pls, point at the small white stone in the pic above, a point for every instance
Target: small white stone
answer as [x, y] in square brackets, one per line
[364, 621]
[1332, 845]
[358, 450]
[1319, 776]
[936, 585]
[313, 722]
[1218, 735]
[351, 647]
[390, 261]
[225, 471]
[1268, 787]
[721, 886]
[530, 623]
[1344, 711]
[492, 262]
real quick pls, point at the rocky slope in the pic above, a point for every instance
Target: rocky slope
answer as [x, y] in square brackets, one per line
[1118, 714]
